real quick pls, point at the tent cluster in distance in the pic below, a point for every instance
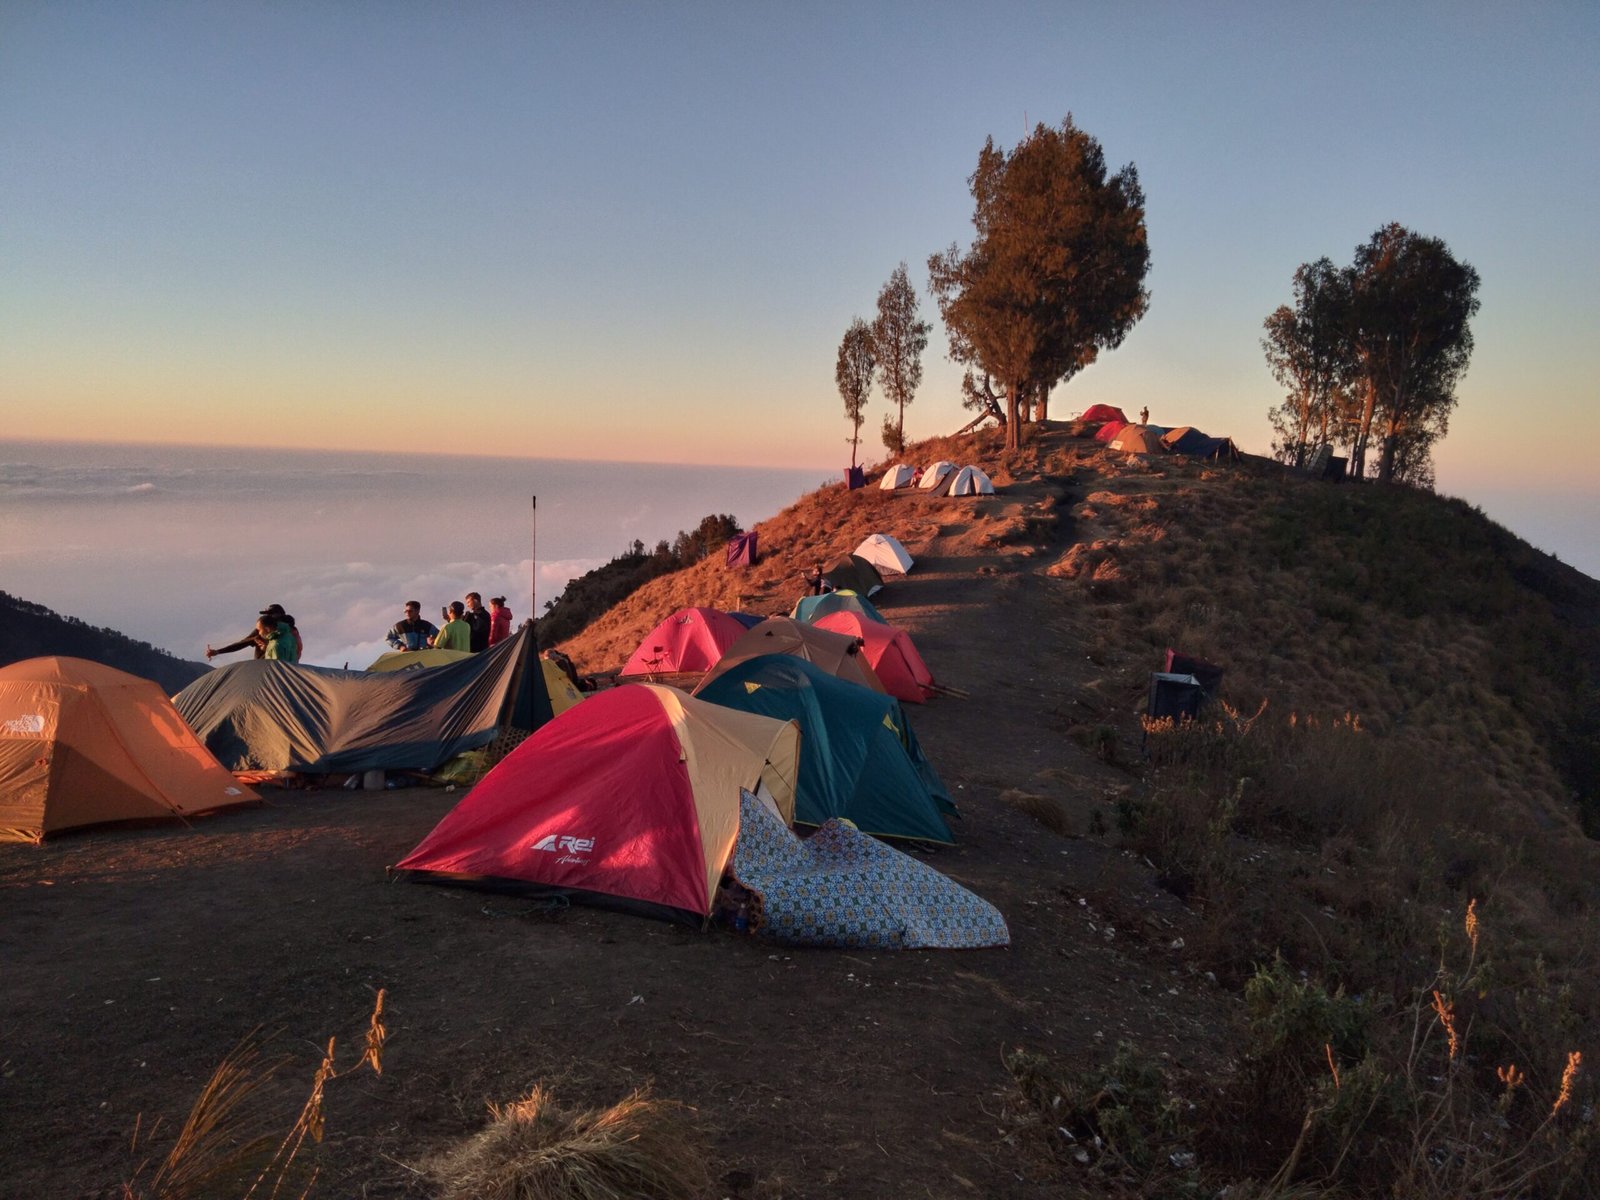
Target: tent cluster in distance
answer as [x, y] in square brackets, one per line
[940, 478]
[1109, 425]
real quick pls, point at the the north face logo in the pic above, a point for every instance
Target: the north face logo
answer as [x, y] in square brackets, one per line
[24, 725]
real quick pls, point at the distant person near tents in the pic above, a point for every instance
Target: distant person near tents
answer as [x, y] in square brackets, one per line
[413, 633]
[256, 641]
[456, 633]
[477, 619]
[1144, 415]
[499, 620]
[817, 580]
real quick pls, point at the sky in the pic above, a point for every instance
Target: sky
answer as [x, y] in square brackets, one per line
[638, 231]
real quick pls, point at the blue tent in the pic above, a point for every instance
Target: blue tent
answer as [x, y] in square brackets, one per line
[858, 756]
[809, 608]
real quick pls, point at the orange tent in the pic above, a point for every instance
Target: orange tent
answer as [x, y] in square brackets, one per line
[891, 652]
[85, 744]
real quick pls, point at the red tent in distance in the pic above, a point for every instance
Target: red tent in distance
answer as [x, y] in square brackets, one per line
[691, 639]
[1104, 412]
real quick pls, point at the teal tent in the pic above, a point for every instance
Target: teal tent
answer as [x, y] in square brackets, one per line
[858, 756]
[809, 608]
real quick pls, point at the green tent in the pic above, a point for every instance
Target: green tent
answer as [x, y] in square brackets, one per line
[858, 757]
[809, 608]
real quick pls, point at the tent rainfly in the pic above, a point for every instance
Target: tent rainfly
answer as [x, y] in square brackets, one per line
[896, 477]
[1104, 413]
[935, 475]
[851, 573]
[810, 608]
[885, 552]
[630, 799]
[839, 654]
[891, 653]
[86, 744]
[690, 640]
[1138, 439]
[971, 481]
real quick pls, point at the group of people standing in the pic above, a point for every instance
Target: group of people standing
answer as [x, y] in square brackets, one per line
[467, 626]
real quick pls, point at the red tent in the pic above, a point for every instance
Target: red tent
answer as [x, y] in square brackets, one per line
[1104, 412]
[691, 639]
[891, 652]
[633, 794]
[1109, 430]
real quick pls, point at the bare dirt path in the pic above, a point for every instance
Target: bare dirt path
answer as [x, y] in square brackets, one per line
[132, 961]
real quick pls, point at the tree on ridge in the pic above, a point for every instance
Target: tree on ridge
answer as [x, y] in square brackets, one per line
[899, 336]
[1308, 354]
[853, 373]
[1055, 273]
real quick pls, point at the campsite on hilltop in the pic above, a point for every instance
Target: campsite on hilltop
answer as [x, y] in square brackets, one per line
[1223, 933]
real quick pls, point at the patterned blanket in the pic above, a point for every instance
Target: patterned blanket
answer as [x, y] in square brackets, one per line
[841, 887]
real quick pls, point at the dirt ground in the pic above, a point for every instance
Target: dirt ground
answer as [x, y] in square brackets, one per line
[134, 960]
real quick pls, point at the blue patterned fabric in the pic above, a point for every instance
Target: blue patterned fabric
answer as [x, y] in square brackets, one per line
[841, 887]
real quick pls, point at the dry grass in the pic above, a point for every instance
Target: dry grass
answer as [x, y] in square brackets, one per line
[533, 1149]
[228, 1145]
[1049, 813]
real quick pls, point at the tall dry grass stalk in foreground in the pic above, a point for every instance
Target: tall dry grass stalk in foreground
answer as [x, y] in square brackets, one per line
[226, 1145]
[535, 1150]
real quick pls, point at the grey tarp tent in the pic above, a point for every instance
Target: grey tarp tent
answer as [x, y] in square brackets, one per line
[265, 715]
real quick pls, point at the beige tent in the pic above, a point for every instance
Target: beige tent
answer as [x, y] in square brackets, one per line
[1138, 439]
[85, 744]
[836, 653]
[896, 477]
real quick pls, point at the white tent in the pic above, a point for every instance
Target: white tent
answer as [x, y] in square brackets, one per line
[884, 552]
[934, 475]
[970, 481]
[897, 477]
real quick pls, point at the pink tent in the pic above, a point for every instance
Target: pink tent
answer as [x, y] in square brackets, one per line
[691, 639]
[891, 653]
[1109, 430]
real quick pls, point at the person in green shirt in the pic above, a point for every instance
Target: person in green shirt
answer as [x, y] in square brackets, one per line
[278, 639]
[456, 634]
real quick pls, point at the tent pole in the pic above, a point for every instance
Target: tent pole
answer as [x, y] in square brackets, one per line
[533, 565]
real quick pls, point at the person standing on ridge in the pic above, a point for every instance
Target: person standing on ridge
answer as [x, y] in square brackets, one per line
[456, 634]
[477, 619]
[413, 633]
[1144, 415]
[499, 620]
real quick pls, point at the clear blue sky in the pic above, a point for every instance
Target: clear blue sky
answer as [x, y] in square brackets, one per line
[638, 231]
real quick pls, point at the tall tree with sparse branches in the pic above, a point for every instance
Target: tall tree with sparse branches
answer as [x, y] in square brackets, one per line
[853, 373]
[899, 336]
[1055, 273]
[1308, 354]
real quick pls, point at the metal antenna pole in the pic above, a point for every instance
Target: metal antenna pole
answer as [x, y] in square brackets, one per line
[533, 562]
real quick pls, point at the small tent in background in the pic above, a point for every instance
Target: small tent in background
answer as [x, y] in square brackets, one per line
[631, 797]
[891, 653]
[1174, 697]
[1138, 439]
[690, 640]
[885, 553]
[748, 620]
[851, 573]
[858, 757]
[86, 744]
[1109, 430]
[1209, 674]
[1190, 441]
[810, 608]
[839, 654]
[971, 481]
[1103, 413]
[742, 550]
[275, 716]
[896, 477]
[935, 476]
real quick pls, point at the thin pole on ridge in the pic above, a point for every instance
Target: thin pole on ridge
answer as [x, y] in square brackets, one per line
[533, 562]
